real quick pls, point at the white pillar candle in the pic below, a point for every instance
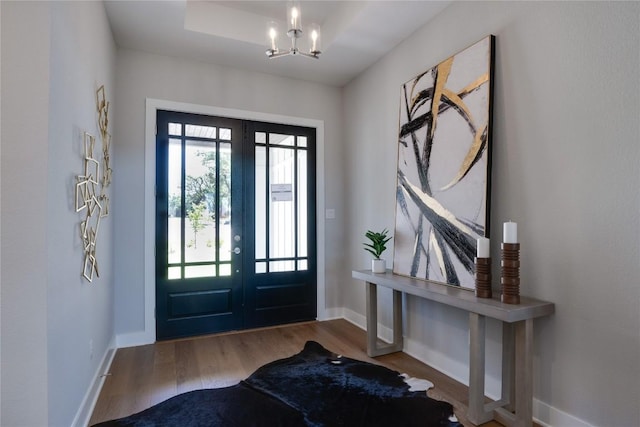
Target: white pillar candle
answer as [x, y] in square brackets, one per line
[483, 248]
[510, 232]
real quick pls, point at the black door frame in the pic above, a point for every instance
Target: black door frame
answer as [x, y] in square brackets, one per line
[277, 283]
[146, 334]
[223, 293]
[296, 291]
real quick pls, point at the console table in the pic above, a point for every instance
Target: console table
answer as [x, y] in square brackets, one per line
[515, 407]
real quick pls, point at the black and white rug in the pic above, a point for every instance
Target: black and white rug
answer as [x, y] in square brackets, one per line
[312, 388]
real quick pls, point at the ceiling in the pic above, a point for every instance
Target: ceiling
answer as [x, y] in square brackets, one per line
[355, 34]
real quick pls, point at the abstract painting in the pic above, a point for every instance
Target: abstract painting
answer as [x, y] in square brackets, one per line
[444, 162]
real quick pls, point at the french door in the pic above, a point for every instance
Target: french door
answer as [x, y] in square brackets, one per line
[235, 224]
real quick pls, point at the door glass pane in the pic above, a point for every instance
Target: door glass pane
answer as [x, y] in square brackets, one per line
[199, 271]
[302, 141]
[281, 212]
[174, 273]
[302, 265]
[261, 267]
[261, 203]
[174, 243]
[278, 139]
[200, 196]
[302, 203]
[276, 266]
[200, 131]
[224, 210]
[225, 134]
[225, 269]
[261, 138]
[175, 129]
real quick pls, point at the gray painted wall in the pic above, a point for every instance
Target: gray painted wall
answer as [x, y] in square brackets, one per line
[565, 167]
[25, 106]
[141, 76]
[54, 57]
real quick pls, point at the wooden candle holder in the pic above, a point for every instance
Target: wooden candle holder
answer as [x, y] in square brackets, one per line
[510, 279]
[483, 277]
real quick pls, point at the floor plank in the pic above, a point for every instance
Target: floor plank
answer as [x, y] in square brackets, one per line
[144, 376]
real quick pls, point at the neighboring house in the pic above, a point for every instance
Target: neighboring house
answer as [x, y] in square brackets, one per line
[565, 166]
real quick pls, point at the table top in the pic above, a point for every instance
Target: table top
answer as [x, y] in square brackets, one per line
[464, 299]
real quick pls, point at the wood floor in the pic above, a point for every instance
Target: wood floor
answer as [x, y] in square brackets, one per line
[144, 376]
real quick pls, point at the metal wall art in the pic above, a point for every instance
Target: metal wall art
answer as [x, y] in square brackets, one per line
[442, 193]
[90, 195]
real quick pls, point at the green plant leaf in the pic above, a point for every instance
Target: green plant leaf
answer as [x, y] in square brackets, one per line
[378, 242]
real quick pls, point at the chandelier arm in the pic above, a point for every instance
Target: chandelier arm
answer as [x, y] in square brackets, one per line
[309, 55]
[278, 54]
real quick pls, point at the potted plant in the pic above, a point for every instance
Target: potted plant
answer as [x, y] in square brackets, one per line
[377, 245]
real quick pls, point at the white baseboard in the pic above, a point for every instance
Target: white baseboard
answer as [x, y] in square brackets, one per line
[548, 416]
[91, 396]
[133, 339]
[331, 314]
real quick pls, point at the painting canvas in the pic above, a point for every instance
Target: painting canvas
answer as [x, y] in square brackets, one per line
[444, 161]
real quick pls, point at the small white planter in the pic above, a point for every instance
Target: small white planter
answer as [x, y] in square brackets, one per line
[378, 266]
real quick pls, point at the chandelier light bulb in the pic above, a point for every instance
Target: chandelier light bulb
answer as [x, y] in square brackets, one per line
[272, 38]
[316, 42]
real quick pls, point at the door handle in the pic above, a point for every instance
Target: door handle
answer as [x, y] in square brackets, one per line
[236, 250]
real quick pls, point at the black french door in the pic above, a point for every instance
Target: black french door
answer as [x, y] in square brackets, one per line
[235, 224]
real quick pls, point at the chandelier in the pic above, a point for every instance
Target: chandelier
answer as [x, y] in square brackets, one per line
[294, 33]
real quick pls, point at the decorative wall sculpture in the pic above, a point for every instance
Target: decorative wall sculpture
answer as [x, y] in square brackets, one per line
[90, 194]
[444, 142]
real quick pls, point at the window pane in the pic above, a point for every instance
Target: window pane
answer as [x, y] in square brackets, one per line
[281, 212]
[200, 131]
[261, 267]
[302, 141]
[224, 210]
[225, 134]
[302, 265]
[276, 266]
[200, 197]
[174, 242]
[225, 269]
[302, 204]
[173, 273]
[261, 138]
[175, 129]
[260, 203]
[199, 271]
[277, 139]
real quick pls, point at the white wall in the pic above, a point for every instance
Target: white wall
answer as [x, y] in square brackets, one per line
[54, 56]
[565, 166]
[80, 314]
[25, 106]
[141, 76]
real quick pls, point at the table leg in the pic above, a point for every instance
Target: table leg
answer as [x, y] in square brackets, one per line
[372, 318]
[508, 358]
[375, 347]
[477, 413]
[517, 371]
[524, 373]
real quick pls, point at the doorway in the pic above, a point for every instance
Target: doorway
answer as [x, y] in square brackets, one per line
[235, 224]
